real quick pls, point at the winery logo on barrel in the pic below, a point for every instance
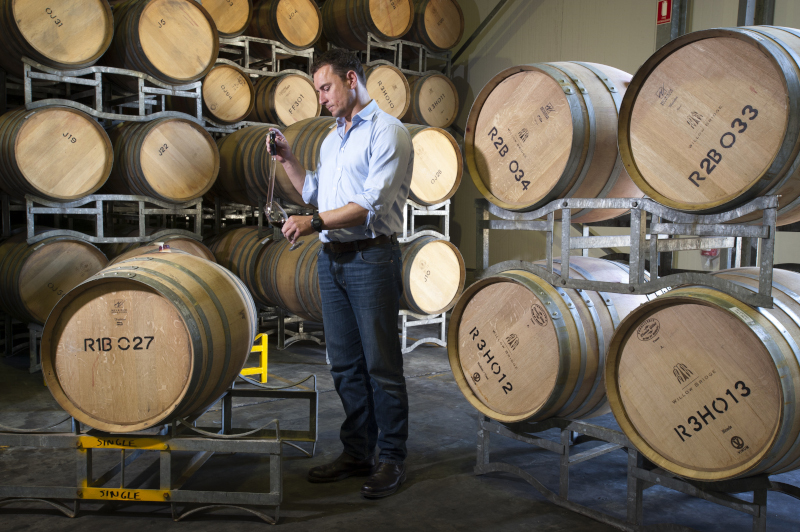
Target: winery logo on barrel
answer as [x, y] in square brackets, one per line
[539, 315]
[476, 377]
[512, 341]
[523, 134]
[648, 329]
[681, 372]
[737, 442]
[547, 109]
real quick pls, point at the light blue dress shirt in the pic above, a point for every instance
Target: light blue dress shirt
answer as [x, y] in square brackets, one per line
[369, 165]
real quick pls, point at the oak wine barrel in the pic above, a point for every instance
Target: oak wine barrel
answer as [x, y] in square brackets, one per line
[230, 16]
[438, 165]
[181, 243]
[228, 96]
[152, 339]
[34, 277]
[244, 169]
[175, 41]
[297, 24]
[706, 386]
[285, 99]
[171, 159]
[67, 35]
[433, 275]
[388, 86]
[549, 131]
[55, 153]
[347, 22]
[438, 24]
[116, 249]
[710, 121]
[290, 279]
[434, 101]
[240, 250]
[521, 349]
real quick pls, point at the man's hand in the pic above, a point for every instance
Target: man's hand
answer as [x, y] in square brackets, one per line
[284, 151]
[297, 226]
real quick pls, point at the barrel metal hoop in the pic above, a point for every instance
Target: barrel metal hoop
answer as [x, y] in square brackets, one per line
[783, 373]
[578, 128]
[206, 325]
[609, 303]
[576, 317]
[297, 270]
[562, 335]
[592, 131]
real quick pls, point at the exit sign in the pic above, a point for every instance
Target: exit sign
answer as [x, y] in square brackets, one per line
[664, 15]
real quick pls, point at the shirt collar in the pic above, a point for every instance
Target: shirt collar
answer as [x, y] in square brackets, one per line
[367, 113]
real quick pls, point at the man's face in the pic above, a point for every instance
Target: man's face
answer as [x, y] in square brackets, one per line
[335, 93]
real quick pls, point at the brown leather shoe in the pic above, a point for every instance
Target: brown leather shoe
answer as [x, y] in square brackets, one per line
[384, 481]
[341, 468]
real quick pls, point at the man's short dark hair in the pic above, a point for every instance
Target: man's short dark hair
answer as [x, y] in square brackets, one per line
[341, 62]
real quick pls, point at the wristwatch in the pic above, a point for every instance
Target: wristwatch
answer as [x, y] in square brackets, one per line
[316, 222]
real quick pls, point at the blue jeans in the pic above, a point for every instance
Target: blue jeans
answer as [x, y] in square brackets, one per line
[360, 302]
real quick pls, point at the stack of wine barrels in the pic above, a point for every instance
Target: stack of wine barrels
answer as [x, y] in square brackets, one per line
[171, 159]
[706, 386]
[388, 86]
[713, 141]
[153, 339]
[175, 41]
[244, 169]
[346, 22]
[438, 165]
[34, 277]
[228, 96]
[433, 275]
[521, 349]
[434, 101]
[548, 131]
[438, 24]
[297, 24]
[176, 243]
[230, 16]
[55, 153]
[67, 35]
[241, 250]
[285, 99]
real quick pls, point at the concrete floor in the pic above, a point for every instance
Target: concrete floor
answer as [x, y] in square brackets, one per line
[441, 492]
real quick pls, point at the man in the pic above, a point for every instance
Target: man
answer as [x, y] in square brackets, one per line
[360, 187]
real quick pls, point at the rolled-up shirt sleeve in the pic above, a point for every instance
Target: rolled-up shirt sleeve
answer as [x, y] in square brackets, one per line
[311, 188]
[388, 164]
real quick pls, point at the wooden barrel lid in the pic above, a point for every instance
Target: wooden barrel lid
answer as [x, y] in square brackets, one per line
[230, 16]
[299, 21]
[699, 386]
[523, 136]
[444, 23]
[498, 321]
[436, 276]
[110, 357]
[227, 93]
[63, 153]
[53, 269]
[718, 102]
[179, 159]
[178, 38]
[436, 100]
[437, 165]
[387, 85]
[392, 17]
[68, 32]
[295, 99]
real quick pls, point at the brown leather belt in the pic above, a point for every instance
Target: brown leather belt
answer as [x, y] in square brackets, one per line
[357, 245]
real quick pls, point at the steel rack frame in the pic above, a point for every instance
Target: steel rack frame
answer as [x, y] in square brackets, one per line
[145, 206]
[413, 209]
[241, 46]
[641, 474]
[709, 231]
[33, 344]
[275, 319]
[100, 89]
[419, 320]
[179, 436]
[423, 54]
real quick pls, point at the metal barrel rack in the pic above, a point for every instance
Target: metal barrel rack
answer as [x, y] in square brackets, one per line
[645, 240]
[378, 50]
[177, 437]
